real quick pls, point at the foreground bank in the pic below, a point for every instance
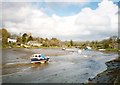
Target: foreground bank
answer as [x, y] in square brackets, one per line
[111, 75]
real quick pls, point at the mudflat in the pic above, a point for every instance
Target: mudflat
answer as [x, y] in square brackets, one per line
[63, 67]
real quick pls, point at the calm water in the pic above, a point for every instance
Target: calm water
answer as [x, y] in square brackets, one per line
[71, 68]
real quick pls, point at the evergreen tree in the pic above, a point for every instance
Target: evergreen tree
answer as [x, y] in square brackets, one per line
[24, 38]
[30, 38]
[71, 43]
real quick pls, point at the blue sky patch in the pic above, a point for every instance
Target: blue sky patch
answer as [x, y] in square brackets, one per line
[64, 8]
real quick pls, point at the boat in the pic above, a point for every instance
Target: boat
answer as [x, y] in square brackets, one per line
[39, 58]
[79, 51]
[88, 48]
[63, 48]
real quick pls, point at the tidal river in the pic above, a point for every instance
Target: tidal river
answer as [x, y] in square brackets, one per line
[64, 66]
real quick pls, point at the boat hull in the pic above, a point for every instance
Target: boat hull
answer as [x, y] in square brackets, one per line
[34, 60]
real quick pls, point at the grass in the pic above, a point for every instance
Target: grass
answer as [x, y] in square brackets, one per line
[0, 46]
[111, 49]
[16, 46]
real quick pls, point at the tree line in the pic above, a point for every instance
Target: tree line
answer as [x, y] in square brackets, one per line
[25, 38]
[110, 43]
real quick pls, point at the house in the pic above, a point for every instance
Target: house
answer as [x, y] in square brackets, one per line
[34, 43]
[26, 46]
[88, 47]
[10, 40]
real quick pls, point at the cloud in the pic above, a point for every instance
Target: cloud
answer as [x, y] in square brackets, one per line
[45, 0]
[66, 0]
[55, 0]
[88, 24]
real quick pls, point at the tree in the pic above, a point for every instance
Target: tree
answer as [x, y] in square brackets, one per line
[54, 42]
[30, 38]
[24, 38]
[71, 42]
[105, 43]
[5, 35]
[19, 39]
[118, 40]
[41, 40]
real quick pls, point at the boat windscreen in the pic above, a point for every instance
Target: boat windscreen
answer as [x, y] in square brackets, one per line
[42, 55]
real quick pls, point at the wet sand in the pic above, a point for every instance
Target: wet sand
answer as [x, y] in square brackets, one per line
[67, 67]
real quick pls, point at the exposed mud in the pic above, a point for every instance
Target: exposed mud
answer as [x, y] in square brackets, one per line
[67, 67]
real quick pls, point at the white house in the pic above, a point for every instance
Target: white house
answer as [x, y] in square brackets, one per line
[9, 40]
[34, 43]
[88, 47]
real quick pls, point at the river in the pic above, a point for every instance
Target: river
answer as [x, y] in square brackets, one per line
[69, 67]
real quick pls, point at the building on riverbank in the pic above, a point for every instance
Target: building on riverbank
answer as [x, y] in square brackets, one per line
[34, 43]
[11, 40]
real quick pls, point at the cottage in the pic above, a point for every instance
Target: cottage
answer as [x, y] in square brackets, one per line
[88, 47]
[34, 43]
[10, 40]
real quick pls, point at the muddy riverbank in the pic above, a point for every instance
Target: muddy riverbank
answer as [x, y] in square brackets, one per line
[15, 59]
[23, 54]
[110, 75]
[69, 66]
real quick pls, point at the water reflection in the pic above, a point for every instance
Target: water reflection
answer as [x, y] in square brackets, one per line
[39, 66]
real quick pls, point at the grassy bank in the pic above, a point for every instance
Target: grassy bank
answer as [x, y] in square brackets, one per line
[17, 46]
[112, 50]
[108, 50]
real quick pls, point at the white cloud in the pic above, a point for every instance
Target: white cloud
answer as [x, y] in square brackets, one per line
[87, 24]
[47, 0]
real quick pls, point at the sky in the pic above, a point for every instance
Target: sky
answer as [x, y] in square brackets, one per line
[78, 20]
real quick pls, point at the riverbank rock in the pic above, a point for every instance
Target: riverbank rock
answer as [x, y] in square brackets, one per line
[111, 75]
